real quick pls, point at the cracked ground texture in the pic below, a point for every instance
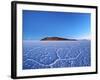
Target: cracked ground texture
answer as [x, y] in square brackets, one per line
[56, 54]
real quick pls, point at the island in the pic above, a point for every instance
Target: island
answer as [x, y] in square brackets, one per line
[57, 39]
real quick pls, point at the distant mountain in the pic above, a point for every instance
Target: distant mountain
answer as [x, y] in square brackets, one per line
[57, 39]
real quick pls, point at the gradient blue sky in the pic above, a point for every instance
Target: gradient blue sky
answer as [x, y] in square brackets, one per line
[40, 24]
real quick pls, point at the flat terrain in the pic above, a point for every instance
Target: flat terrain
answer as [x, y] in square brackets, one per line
[56, 54]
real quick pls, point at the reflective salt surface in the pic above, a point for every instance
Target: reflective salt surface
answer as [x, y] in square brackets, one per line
[56, 54]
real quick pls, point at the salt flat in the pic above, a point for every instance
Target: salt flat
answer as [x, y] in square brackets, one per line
[56, 54]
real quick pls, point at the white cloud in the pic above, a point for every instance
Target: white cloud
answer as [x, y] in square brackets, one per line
[84, 37]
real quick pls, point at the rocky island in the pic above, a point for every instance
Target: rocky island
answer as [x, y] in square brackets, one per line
[57, 39]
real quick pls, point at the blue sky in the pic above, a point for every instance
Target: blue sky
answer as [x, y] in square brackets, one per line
[40, 24]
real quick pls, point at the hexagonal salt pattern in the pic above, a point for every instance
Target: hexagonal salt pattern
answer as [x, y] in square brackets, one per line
[56, 54]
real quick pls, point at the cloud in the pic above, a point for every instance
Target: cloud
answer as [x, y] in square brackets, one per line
[84, 37]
